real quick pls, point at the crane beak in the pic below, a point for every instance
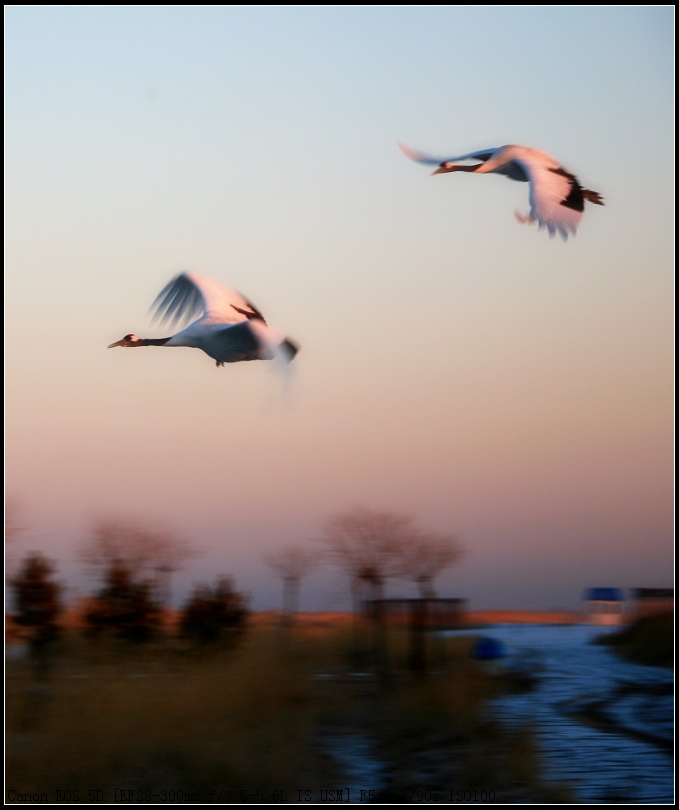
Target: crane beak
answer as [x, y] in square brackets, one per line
[117, 343]
[442, 170]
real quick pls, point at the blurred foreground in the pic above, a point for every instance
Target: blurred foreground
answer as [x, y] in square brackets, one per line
[280, 715]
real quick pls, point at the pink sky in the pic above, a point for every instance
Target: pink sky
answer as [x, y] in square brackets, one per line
[510, 389]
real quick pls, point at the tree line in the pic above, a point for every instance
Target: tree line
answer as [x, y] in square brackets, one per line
[134, 566]
[369, 547]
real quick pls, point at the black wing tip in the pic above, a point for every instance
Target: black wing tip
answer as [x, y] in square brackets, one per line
[291, 347]
[255, 314]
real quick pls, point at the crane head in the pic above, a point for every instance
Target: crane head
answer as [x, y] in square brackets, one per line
[128, 340]
[447, 166]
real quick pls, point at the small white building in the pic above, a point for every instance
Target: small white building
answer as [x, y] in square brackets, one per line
[604, 606]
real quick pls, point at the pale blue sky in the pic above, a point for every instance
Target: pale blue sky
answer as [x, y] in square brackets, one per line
[512, 389]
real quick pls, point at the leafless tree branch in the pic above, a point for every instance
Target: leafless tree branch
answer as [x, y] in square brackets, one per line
[426, 557]
[291, 563]
[157, 553]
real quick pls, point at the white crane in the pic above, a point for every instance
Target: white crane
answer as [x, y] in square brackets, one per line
[557, 200]
[231, 329]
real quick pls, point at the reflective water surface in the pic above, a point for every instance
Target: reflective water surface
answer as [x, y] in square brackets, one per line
[604, 725]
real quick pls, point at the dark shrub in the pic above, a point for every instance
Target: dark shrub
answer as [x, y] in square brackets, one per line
[123, 607]
[215, 613]
[647, 641]
[37, 600]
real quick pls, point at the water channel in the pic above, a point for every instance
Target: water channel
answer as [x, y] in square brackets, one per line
[605, 726]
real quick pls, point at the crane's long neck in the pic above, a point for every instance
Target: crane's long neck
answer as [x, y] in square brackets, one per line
[457, 167]
[134, 341]
[153, 341]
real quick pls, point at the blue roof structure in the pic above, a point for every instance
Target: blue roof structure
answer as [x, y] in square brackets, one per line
[604, 595]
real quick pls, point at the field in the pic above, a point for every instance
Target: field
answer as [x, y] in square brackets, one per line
[274, 715]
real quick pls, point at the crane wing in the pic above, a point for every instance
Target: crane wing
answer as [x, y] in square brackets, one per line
[188, 295]
[280, 348]
[556, 198]
[252, 340]
[422, 157]
[513, 170]
[235, 342]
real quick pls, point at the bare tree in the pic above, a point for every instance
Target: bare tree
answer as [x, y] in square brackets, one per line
[372, 546]
[13, 523]
[14, 528]
[368, 546]
[426, 556]
[155, 552]
[291, 563]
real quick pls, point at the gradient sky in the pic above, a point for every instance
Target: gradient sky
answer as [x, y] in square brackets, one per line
[511, 389]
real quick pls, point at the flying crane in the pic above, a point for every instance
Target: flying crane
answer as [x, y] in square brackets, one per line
[557, 199]
[230, 328]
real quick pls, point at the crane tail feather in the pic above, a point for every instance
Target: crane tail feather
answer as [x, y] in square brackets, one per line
[593, 196]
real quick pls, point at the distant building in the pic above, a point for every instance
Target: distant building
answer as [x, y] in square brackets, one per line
[650, 601]
[604, 606]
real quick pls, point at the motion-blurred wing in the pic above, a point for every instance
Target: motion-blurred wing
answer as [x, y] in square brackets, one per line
[234, 343]
[422, 157]
[188, 295]
[513, 170]
[556, 198]
[251, 340]
[280, 348]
